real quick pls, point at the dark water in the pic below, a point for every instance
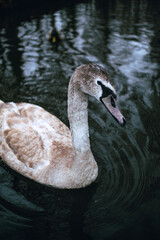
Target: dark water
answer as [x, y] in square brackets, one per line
[124, 37]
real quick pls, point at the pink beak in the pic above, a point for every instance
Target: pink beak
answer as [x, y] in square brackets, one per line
[112, 107]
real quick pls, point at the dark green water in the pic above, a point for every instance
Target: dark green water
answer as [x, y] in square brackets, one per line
[123, 37]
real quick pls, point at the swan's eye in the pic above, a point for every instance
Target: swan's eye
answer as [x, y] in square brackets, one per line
[113, 102]
[99, 83]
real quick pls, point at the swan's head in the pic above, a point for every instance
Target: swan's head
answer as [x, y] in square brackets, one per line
[95, 81]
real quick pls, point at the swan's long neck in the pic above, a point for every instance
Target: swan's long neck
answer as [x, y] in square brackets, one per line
[84, 164]
[78, 118]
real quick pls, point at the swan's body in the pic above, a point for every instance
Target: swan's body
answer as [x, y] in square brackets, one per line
[38, 145]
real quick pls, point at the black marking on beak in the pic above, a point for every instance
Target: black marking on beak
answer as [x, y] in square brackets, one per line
[106, 91]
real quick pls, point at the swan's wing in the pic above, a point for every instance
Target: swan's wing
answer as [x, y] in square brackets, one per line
[33, 112]
[25, 143]
[32, 139]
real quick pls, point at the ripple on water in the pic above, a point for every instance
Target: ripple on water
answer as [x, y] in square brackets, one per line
[122, 181]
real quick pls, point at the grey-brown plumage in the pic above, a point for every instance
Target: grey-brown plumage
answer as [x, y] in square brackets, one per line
[39, 146]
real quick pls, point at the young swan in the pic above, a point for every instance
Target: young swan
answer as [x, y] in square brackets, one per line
[39, 146]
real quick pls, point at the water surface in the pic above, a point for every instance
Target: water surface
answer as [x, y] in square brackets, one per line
[124, 38]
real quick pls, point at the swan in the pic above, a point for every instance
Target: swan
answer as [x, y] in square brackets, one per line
[39, 146]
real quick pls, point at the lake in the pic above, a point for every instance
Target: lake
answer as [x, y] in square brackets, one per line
[124, 38]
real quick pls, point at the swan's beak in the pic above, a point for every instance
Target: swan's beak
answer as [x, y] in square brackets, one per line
[112, 107]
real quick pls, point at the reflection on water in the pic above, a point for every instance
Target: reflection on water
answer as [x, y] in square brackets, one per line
[122, 36]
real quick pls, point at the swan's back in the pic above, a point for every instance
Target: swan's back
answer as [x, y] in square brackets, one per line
[34, 142]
